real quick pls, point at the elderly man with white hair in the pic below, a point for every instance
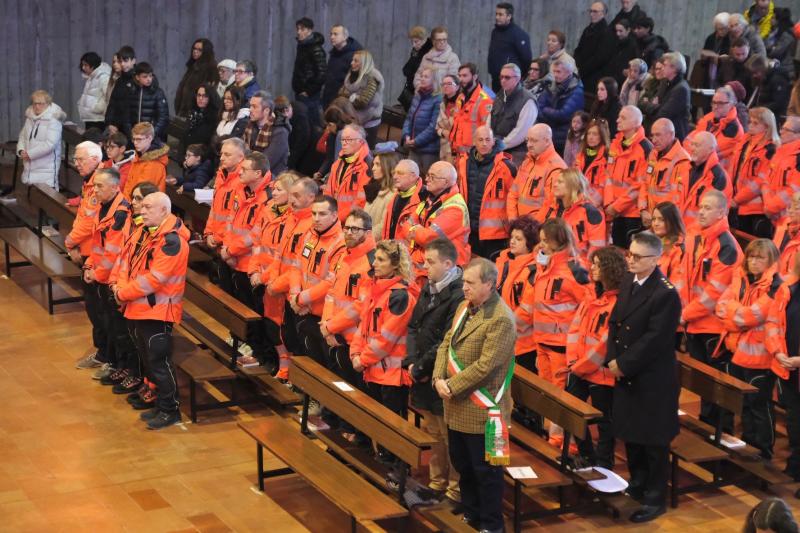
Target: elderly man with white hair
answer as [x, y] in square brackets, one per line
[402, 208]
[738, 27]
[150, 284]
[561, 99]
[674, 103]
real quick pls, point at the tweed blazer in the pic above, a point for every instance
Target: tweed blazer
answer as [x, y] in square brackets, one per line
[485, 346]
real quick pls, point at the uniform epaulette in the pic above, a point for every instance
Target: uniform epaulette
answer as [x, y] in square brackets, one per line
[666, 282]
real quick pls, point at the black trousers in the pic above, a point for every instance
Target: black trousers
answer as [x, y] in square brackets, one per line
[94, 310]
[291, 339]
[649, 469]
[758, 415]
[120, 342]
[623, 228]
[756, 225]
[313, 342]
[253, 297]
[154, 341]
[701, 346]
[481, 483]
[486, 248]
[393, 398]
[222, 275]
[789, 390]
[602, 399]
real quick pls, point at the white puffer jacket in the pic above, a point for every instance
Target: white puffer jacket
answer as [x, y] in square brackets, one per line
[41, 139]
[93, 101]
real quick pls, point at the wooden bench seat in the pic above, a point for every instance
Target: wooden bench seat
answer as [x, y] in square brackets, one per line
[45, 256]
[51, 203]
[346, 489]
[386, 428]
[185, 202]
[203, 368]
[442, 517]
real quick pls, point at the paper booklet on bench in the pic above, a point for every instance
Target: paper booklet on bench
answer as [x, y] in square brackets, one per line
[203, 196]
[521, 472]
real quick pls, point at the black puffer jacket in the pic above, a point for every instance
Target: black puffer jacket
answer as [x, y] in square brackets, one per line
[119, 102]
[338, 67]
[149, 104]
[310, 65]
[430, 320]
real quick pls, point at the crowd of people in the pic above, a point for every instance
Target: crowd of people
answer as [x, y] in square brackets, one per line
[573, 220]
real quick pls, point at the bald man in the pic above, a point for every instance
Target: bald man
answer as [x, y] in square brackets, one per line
[706, 174]
[484, 179]
[400, 212]
[443, 213]
[667, 170]
[534, 180]
[627, 166]
[149, 286]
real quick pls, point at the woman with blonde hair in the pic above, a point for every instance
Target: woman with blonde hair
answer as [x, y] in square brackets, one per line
[380, 190]
[592, 158]
[447, 112]
[751, 169]
[364, 86]
[571, 202]
[39, 144]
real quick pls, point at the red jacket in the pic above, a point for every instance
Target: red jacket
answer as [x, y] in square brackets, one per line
[407, 216]
[319, 254]
[787, 240]
[709, 175]
[245, 213]
[784, 180]
[588, 338]
[347, 179]
[712, 256]
[588, 224]
[445, 216]
[81, 234]
[150, 282]
[627, 165]
[533, 183]
[666, 176]
[380, 341]
[493, 220]
[342, 312]
[516, 274]
[595, 173]
[470, 114]
[728, 132]
[219, 218]
[751, 164]
[108, 236]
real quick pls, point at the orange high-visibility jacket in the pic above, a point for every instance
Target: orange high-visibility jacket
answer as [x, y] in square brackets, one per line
[728, 132]
[705, 177]
[784, 180]
[123, 167]
[342, 312]
[133, 238]
[283, 275]
[150, 166]
[550, 303]
[711, 258]
[587, 339]
[380, 341]
[219, 218]
[751, 164]
[514, 275]
[594, 169]
[493, 220]
[81, 234]
[743, 309]
[150, 282]
[665, 178]
[626, 169]
[238, 238]
[347, 179]
[407, 217]
[533, 183]
[445, 216]
[318, 254]
[588, 224]
[470, 114]
[671, 264]
[787, 240]
[108, 237]
[775, 338]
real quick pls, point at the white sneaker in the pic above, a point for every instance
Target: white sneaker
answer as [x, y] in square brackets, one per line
[90, 361]
[245, 350]
[105, 370]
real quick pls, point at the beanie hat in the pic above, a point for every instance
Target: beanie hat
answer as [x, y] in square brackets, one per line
[738, 90]
[227, 63]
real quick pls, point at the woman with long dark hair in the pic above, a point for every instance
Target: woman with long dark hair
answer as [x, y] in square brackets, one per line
[201, 67]
[606, 105]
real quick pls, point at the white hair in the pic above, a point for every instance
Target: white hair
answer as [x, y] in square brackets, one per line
[722, 18]
[566, 61]
[677, 60]
[410, 165]
[92, 149]
[738, 19]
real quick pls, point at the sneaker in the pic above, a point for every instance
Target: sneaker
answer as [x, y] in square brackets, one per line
[164, 419]
[118, 376]
[245, 349]
[128, 385]
[314, 408]
[138, 394]
[149, 414]
[144, 401]
[90, 361]
[105, 370]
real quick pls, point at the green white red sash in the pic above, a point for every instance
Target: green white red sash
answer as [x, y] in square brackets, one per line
[496, 433]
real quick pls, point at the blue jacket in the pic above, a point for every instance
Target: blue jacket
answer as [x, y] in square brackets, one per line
[196, 177]
[557, 105]
[338, 67]
[420, 123]
[509, 44]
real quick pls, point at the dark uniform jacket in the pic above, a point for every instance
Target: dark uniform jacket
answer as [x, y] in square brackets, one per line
[642, 339]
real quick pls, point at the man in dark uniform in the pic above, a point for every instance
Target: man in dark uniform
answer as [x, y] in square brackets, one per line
[641, 355]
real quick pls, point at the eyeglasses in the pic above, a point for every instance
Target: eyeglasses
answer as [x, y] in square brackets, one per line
[348, 140]
[595, 11]
[636, 257]
[448, 84]
[507, 77]
[353, 229]
[79, 159]
[718, 103]
[440, 40]
[240, 71]
[434, 177]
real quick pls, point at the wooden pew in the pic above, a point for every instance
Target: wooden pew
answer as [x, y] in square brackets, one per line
[346, 489]
[728, 393]
[176, 130]
[197, 212]
[51, 203]
[45, 256]
[383, 426]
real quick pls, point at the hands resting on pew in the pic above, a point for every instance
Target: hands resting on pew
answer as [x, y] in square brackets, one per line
[75, 256]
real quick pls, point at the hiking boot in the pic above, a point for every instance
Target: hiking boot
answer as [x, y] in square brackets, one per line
[104, 371]
[144, 401]
[90, 361]
[128, 385]
[164, 419]
[118, 376]
[149, 414]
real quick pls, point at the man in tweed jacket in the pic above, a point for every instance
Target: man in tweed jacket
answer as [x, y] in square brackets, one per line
[484, 343]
